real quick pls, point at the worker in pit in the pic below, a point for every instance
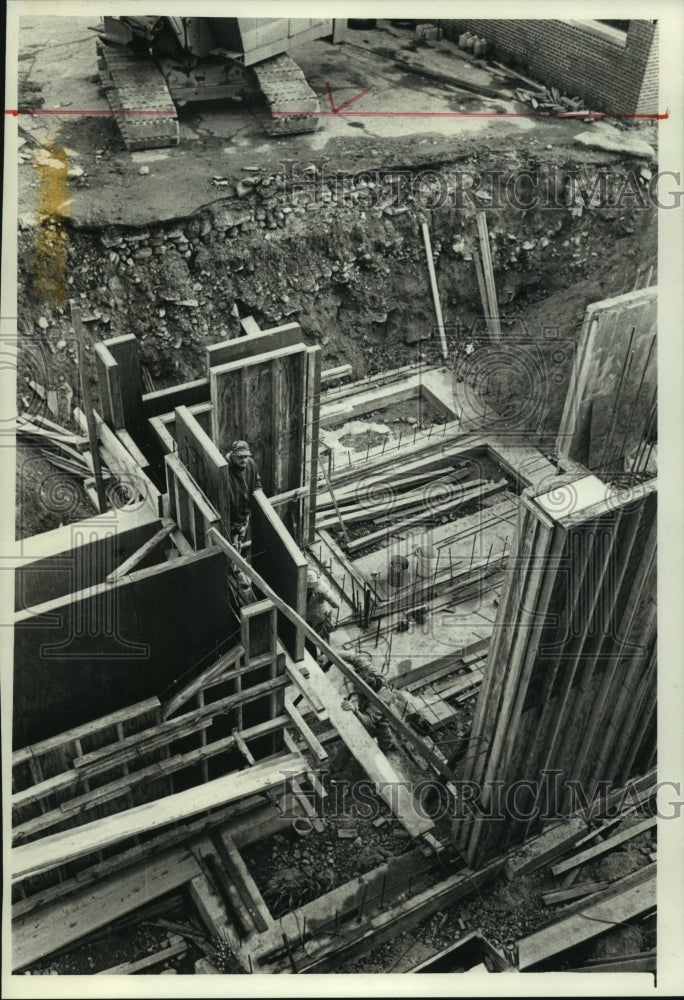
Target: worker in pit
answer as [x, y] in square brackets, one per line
[319, 604]
[243, 481]
[371, 716]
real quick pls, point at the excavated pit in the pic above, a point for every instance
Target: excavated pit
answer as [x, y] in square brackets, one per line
[343, 256]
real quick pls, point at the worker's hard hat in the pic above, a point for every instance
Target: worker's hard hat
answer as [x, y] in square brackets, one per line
[312, 579]
[240, 448]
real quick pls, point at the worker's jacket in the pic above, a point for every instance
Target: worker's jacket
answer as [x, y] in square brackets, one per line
[242, 483]
[317, 609]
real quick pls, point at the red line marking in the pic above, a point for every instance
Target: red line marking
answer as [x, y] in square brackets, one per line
[336, 108]
[93, 112]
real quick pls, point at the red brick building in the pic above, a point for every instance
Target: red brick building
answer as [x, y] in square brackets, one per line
[612, 69]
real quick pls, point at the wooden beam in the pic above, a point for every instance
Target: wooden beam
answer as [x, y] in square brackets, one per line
[122, 462]
[557, 896]
[240, 348]
[50, 852]
[606, 845]
[108, 384]
[91, 425]
[148, 962]
[195, 494]
[140, 554]
[335, 374]
[627, 898]
[435, 290]
[308, 735]
[244, 883]
[166, 400]
[164, 436]
[250, 326]
[488, 271]
[221, 666]
[82, 732]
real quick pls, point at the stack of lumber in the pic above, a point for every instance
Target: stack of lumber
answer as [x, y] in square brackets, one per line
[475, 490]
[373, 500]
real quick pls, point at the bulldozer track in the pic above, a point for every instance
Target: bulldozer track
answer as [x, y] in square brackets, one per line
[137, 94]
[292, 104]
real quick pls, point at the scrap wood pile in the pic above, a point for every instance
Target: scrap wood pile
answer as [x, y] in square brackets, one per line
[548, 100]
[606, 869]
[59, 446]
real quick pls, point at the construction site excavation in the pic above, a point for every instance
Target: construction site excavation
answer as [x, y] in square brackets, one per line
[334, 635]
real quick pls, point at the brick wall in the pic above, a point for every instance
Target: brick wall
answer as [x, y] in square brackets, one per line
[609, 72]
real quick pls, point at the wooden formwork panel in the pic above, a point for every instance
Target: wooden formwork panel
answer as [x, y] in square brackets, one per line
[204, 462]
[262, 400]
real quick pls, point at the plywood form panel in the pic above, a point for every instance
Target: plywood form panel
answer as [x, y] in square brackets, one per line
[204, 462]
[282, 565]
[261, 400]
[89, 653]
[125, 352]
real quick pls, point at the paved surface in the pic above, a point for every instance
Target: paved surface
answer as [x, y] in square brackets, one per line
[404, 120]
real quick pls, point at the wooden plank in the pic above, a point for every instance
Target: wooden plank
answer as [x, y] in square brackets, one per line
[148, 962]
[164, 436]
[132, 448]
[49, 852]
[244, 883]
[540, 850]
[488, 271]
[448, 662]
[282, 565]
[192, 490]
[606, 845]
[166, 400]
[108, 384]
[241, 348]
[367, 753]
[140, 554]
[574, 892]
[250, 326]
[121, 787]
[216, 670]
[435, 290]
[85, 730]
[334, 374]
[307, 734]
[65, 921]
[627, 899]
[312, 405]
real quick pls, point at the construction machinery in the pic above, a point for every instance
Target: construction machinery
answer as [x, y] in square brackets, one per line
[149, 66]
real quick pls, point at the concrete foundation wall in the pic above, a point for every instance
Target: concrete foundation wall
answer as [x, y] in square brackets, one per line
[611, 71]
[91, 653]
